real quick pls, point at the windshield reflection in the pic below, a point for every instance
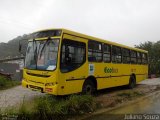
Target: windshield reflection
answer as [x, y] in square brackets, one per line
[42, 54]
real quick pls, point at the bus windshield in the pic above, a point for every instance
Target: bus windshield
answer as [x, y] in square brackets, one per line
[42, 54]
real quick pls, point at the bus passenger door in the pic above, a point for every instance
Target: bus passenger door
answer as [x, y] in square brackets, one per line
[73, 67]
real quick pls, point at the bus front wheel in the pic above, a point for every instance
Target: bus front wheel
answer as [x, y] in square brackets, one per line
[132, 82]
[88, 87]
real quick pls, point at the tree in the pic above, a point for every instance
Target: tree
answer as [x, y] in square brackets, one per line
[153, 55]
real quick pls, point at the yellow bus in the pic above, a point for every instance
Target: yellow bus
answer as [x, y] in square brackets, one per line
[61, 62]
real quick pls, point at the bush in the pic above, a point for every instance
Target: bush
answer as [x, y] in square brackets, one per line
[3, 81]
[7, 83]
[54, 108]
[49, 107]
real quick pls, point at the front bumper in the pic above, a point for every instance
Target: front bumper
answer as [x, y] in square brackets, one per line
[35, 87]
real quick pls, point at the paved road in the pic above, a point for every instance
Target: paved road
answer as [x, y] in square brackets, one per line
[15, 96]
[154, 81]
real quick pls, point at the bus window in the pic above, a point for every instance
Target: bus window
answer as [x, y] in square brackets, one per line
[144, 58]
[139, 58]
[133, 57]
[94, 51]
[72, 55]
[126, 55]
[106, 53]
[116, 54]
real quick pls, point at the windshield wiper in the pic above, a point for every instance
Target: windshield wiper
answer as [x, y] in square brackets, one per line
[43, 47]
[35, 52]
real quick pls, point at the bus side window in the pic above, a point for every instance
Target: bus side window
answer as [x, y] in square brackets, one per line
[126, 55]
[94, 51]
[139, 58]
[133, 57]
[144, 58]
[116, 54]
[72, 55]
[106, 53]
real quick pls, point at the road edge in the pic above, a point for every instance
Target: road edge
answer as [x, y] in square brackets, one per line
[103, 110]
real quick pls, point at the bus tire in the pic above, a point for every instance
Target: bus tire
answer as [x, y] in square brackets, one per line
[88, 88]
[132, 82]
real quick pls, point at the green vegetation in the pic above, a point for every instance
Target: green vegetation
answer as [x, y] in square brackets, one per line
[50, 107]
[153, 49]
[130, 94]
[7, 83]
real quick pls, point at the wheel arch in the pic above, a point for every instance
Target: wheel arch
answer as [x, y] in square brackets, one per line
[93, 79]
[134, 75]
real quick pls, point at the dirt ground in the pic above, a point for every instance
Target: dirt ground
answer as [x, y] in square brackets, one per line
[105, 98]
[113, 96]
[15, 96]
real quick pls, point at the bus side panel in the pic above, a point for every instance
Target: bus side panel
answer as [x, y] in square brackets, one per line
[112, 75]
[73, 81]
[102, 76]
[122, 75]
[141, 72]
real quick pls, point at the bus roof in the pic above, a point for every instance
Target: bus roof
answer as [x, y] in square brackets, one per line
[94, 38]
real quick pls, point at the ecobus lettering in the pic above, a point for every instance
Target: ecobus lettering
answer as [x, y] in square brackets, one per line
[110, 70]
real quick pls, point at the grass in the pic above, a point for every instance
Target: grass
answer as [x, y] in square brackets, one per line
[50, 107]
[130, 94]
[7, 83]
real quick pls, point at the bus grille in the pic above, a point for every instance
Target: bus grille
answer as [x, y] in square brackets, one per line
[36, 88]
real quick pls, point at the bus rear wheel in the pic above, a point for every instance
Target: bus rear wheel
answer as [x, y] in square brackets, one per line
[88, 88]
[132, 82]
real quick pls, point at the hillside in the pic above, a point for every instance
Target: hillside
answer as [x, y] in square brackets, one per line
[11, 49]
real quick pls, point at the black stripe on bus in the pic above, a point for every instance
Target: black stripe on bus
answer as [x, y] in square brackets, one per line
[113, 76]
[118, 76]
[75, 79]
[102, 77]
